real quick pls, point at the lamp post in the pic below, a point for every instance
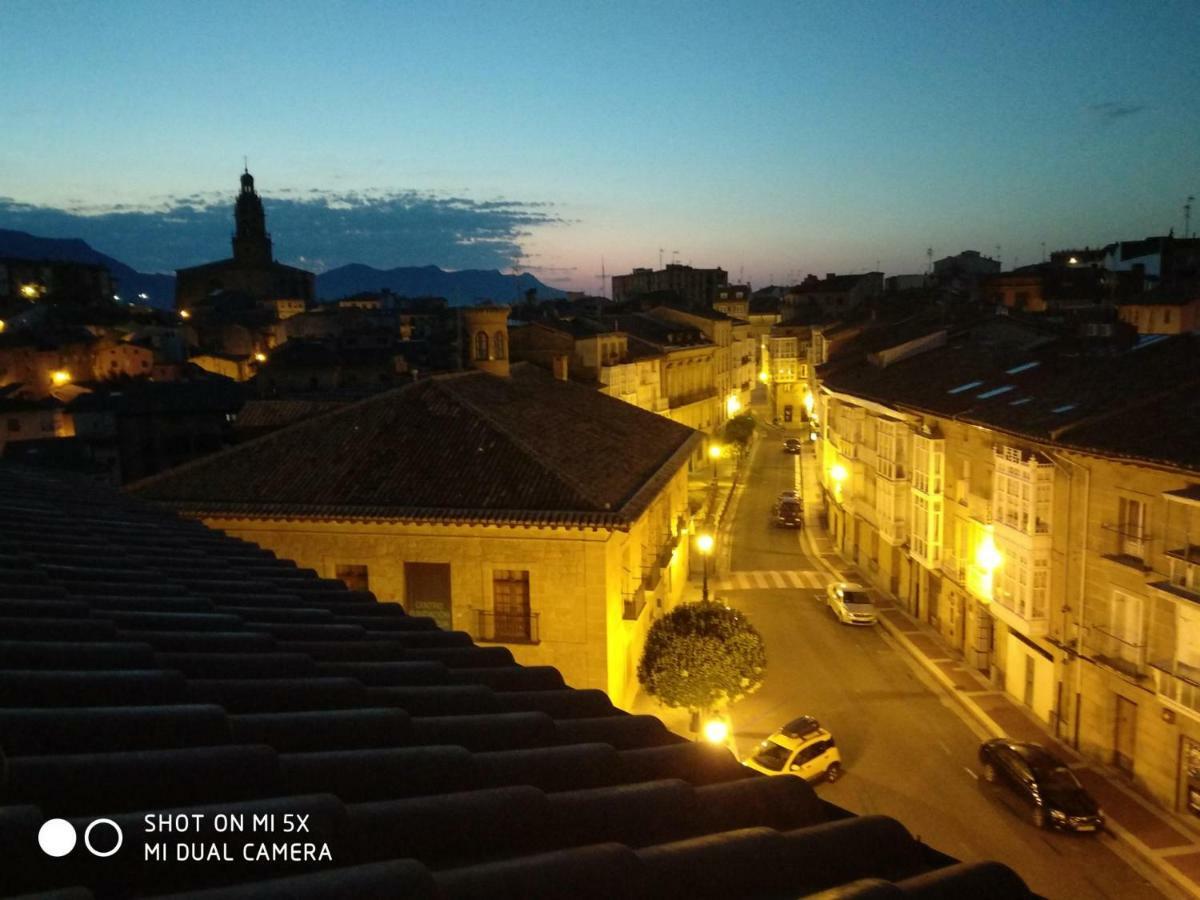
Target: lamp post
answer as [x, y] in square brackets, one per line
[714, 453]
[704, 543]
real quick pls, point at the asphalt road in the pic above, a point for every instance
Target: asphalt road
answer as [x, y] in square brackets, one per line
[907, 749]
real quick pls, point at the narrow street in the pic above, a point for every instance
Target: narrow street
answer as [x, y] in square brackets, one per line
[907, 750]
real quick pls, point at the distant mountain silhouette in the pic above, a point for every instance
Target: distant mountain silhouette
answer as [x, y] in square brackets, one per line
[459, 288]
[160, 289]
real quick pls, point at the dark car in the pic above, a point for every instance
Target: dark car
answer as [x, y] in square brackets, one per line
[788, 513]
[1042, 782]
[792, 445]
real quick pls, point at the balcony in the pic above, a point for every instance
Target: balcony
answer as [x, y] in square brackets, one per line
[652, 572]
[1177, 683]
[1116, 652]
[847, 447]
[506, 627]
[633, 605]
[1129, 546]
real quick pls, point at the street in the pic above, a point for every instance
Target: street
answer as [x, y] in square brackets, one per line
[907, 749]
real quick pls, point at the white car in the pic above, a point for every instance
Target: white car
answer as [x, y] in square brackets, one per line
[851, 603]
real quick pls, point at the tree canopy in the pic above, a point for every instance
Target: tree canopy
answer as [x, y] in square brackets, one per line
[702, 655]
[738, 431]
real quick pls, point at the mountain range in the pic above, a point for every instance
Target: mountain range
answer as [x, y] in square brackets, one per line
[459, 288]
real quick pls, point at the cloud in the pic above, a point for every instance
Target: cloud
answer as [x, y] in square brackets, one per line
[316, 228]
[1111, 110]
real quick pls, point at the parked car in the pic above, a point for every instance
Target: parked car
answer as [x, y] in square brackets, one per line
[788, 512]
[1043, 783]
[801, 747]
[850, 603]
[792, 445]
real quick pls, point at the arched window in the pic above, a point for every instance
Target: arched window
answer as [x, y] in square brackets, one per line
[481, 345]
[498, 344]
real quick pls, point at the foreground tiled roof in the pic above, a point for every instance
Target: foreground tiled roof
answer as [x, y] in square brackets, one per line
[467, 448]
[149, 665]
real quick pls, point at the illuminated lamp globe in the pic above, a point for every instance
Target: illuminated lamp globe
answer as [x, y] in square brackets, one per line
[838, 472]
[704, 543]
[716, 731]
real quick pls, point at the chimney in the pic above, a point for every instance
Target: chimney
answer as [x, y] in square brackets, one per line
[561, 365]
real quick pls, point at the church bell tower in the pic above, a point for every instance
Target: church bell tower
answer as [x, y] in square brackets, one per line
[251, 243]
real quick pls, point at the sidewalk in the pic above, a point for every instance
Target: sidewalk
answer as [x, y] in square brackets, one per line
[1151, 833]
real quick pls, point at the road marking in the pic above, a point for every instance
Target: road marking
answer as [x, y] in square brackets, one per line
[969, 772]
[770, 580]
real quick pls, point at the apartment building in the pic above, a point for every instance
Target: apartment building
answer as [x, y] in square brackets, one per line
[1041, 508]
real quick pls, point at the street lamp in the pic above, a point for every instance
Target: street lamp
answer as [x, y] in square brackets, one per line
[60, 377]
[716, 731]
[184, 314]
[704, 543]
[733, 405]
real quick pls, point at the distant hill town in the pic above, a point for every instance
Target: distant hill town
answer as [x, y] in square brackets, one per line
[459, 288]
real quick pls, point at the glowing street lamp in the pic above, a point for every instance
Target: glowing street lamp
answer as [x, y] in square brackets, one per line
[716, 731]
[733, 405]
[704, 543]
[987, 557]
[838, 473]
[59, 377]
[1, 324]
[808, 403]
[260, 357]
[184, 314]
[764, 377]
[29, 291]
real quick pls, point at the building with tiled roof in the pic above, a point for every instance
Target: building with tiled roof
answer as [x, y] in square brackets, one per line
[1034, 498]
[254, 730]
[447, 496]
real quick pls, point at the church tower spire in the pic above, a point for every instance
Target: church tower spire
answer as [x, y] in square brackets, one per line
[251, 242]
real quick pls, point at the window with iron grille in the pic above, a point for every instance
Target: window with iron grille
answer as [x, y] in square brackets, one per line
[510, 604]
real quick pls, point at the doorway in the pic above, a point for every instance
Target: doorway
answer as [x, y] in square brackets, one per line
[427, 592]
[1125, 735]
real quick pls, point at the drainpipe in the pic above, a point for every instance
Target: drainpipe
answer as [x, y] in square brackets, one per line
[1079, 616]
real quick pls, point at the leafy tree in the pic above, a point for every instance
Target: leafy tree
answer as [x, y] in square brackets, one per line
[702, 655]
[738, 431]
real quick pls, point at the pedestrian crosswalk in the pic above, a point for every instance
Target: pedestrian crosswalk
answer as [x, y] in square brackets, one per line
[749, 581]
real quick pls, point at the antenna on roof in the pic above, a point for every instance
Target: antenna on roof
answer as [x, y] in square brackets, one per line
[674, 256]
[929, 256]
[1187, 216]
[999, 259]
[660, 253]
[603, 276]
[245, 164]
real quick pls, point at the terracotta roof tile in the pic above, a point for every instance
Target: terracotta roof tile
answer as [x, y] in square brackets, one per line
[469, 448]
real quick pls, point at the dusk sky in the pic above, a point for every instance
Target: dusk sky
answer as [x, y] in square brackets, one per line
[772, 139]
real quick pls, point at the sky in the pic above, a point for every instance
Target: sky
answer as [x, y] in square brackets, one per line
[773, 139]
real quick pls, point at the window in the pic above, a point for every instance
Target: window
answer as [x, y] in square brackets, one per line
[1131, 527]
[481, 345]
[354, 576]
[510, 604]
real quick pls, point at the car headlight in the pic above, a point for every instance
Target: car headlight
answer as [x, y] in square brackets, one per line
[1058, 815]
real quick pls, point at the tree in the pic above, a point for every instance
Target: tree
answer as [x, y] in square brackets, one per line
[701, 656]
[738, 431]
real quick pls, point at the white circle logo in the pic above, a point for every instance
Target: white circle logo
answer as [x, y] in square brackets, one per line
[87, 838]
[57, 837]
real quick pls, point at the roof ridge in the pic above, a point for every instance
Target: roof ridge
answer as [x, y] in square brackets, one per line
[546, 463]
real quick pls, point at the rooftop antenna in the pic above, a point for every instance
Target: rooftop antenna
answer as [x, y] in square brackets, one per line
[674, 257]
[660, 253]
[603, 276]
[999, 259]
[1187, 216]
[929, 256]
[741, 273]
